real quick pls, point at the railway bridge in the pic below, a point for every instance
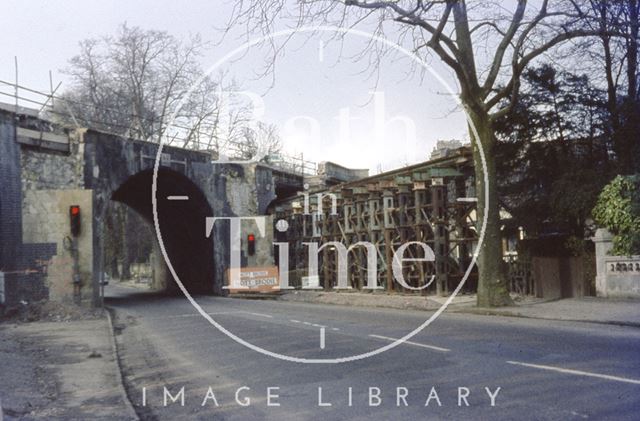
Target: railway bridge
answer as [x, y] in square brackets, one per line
[47, 169]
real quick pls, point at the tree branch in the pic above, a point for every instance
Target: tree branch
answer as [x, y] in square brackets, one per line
[502, 47]
[409, 17]
[512, 88]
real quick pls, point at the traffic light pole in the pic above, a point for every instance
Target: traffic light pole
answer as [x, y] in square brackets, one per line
[75, 255]
[75, 228]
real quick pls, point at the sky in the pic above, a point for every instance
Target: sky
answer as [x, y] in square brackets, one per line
[324, 105]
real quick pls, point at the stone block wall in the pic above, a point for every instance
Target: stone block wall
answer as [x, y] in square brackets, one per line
[51, 170]
[10, 195]
[249, 192]
[46, 220]
[23, 264]
[617, 276]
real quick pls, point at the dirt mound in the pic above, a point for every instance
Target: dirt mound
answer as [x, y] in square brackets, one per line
[49, 311]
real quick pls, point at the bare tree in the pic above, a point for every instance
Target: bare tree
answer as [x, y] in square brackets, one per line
[616, 58]
[485, 44]
[133, 83]
[261, 141]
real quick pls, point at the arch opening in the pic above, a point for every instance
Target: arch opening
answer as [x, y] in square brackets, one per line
[182, 208]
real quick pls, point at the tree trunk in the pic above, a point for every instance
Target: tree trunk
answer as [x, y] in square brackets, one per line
[115, 272]
[492, 282]
[631, 165]
[632, 51]
[125, 273]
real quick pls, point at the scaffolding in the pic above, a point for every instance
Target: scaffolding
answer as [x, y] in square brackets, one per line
[432, 203]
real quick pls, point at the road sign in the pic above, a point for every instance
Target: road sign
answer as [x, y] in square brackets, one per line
[256, 279]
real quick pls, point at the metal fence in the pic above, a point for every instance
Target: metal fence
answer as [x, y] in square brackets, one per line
[43, 105]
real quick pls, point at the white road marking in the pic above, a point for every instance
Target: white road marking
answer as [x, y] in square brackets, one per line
[574, 413]
[259, 314]
[467, 199]
[177, 197]
[434, 348]
[177, 316]
[576, 372]
[323, 329]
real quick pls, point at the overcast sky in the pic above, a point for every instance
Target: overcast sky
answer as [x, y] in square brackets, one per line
[313, 81]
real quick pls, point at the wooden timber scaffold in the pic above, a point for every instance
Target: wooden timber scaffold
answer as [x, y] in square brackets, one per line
[432, 202]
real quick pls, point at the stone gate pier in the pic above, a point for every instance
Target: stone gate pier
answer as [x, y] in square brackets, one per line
[617, 276]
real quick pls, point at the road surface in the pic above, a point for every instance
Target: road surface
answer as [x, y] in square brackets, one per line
[460, 367]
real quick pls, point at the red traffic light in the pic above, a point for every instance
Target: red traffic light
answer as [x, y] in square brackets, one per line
[251, 247]
[74, 220]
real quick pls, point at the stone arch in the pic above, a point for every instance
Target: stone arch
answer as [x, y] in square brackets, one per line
[182, 223]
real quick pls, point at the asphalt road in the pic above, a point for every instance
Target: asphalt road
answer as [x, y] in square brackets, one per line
[463, 366]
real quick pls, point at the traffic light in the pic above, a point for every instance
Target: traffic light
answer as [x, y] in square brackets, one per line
[251, 247]
[74, 219]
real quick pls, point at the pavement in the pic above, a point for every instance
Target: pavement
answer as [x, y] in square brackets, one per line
[624, 312]
[588, 309]
[64, 370]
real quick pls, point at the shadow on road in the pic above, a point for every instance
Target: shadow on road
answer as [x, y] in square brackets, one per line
[132, 297]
